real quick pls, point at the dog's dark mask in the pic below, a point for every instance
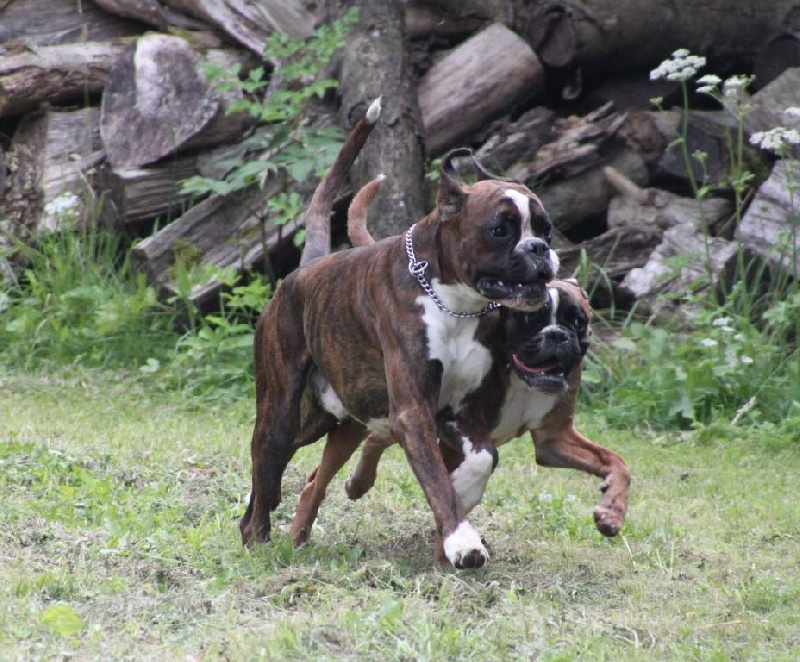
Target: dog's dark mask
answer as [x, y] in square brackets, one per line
[545, 346]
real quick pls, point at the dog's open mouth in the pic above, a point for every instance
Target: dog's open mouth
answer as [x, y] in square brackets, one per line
[528, 297]
[548, 376]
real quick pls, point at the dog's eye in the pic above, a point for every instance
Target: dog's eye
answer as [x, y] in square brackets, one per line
[500, 231]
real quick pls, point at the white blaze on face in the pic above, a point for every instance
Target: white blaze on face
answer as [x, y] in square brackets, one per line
[461, 542]
[554, 301]
[523, 205]
[472, 475]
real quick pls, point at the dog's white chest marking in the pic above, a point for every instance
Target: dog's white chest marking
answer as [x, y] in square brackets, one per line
[522, 408]
[472, 475]
[451, 341]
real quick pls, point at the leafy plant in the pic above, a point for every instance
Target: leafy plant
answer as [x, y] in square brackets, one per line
[79, 302]
[278, 101]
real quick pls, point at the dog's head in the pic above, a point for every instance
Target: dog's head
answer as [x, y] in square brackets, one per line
[545, 347]
[498, 236]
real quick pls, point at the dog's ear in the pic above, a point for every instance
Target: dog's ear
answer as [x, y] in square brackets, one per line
[482, 174]
[451, 196]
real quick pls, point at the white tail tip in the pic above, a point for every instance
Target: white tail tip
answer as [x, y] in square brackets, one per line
[374, 111]
[380, 178]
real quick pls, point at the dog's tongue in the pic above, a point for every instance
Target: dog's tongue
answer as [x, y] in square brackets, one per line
[533, 370]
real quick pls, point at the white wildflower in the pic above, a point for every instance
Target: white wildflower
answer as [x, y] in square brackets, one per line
[739, 337]
[746, 360]
[681, 66]
[707, 89]
[775, 139]
[722, 321]
[709, 79]
[792, 111]
[63, 204]
[708, 342]
[545, 497]
[734, 89]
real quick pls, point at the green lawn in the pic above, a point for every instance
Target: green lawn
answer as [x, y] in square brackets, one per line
[119, 540]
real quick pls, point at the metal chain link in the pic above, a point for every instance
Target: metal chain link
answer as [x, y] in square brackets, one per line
[417, 269]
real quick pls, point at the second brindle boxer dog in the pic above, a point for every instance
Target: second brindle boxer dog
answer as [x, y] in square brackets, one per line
[385, 336]
[533, 386]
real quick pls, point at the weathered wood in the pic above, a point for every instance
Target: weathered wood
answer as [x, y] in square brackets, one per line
[576, 146]
[584, 197]
[485, 77]
[614, 254]
[779, 53]
[771, 224]
[56, 74]
[651, 134]
[34, 23]
[635, 206]
[514, 142]
[607, 36]
[144, 194]
[220, 231]
[53, 155]
[249, 23]
[158, 102]
[374, 67]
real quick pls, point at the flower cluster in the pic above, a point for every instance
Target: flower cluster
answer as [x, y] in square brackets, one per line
[680, 66]
[64, 204]
[775, 139]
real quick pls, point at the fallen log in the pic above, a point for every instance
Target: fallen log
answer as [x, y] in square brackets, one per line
[59, 74]
[770, 227]
[249, 23]
[34, 23]
[53, 155]
[485, 77]
[142, 195]
[607, 36]
[158, 102]
[202, 238]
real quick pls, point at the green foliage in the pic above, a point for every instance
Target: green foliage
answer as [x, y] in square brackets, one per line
[78, 302]
[215, 356]
[290, 145]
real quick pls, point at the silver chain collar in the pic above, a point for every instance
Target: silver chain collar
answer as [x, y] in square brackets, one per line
[417, 269]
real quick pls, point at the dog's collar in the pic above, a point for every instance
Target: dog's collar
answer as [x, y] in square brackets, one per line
[417, 269]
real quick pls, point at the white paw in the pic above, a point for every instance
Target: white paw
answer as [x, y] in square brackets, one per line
[464, 548]
[472, 476]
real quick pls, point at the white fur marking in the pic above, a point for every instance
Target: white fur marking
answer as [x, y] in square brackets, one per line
[523, 205]
[374, 111]
[522, 408]
[328, 398]
[472, 475]
[451, 340]
[554, 301]
[462, 541]
[378, 425]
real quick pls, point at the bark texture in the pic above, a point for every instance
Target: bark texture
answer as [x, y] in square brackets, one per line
[375, 64]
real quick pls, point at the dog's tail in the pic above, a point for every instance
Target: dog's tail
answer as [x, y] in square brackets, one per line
[318, 215]
[357, 229]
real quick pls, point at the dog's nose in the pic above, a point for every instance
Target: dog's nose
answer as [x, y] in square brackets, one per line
[534, 245]
[557, 335]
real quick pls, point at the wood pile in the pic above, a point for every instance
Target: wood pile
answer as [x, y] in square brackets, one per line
[106, 104]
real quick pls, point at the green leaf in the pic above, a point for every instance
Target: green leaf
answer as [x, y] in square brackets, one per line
[62, 620]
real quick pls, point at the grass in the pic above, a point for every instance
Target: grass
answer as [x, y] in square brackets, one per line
[119, 540]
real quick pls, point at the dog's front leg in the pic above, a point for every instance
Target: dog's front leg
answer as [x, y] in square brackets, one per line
[414, 427]
[569, 449]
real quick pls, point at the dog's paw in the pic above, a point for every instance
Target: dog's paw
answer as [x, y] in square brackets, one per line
[465, 549]
[608, 520]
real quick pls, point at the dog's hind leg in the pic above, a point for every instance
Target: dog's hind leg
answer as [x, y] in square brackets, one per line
[569, 449]
[339, 447]
[363, 476]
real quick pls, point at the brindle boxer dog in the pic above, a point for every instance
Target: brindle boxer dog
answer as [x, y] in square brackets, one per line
[384, 336]
[533, 386]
